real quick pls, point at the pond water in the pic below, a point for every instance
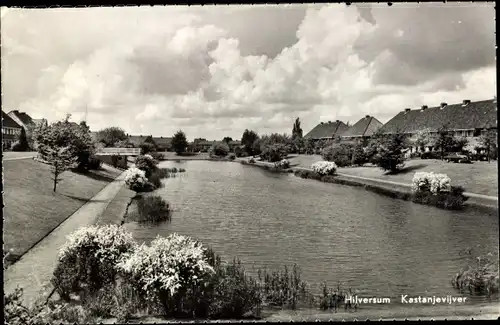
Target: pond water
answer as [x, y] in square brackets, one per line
[378, 245]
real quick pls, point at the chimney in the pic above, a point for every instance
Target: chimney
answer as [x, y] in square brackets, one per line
[466, 102]
[367, 116]
[443, 104]
[424, 107]
[407, 110]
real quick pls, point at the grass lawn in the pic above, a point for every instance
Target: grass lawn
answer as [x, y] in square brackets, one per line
[480, 177]
[32, 209]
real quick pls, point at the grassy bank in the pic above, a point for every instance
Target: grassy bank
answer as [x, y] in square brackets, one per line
[480, 177]
[32, 210]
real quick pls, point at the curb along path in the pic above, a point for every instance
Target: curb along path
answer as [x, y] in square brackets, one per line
[34, 270]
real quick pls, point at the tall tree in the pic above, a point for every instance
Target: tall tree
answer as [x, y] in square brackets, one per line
[62, 145]
[247, 140]
[389, 152]
[423, 138]
[227, 139]
[60, 159]
[67, 134]
[23, 144]
[297, 130]
[179, 142]
[444, 140]
[109, 136]
[489, 142]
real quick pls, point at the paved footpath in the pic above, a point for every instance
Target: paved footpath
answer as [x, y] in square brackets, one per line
[34, 270]
[13, 155]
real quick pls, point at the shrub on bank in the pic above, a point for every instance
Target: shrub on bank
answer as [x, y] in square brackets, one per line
[284, 289]
[431, 182]
[87, 261]
[435, 189]
[135, 179]
[230, 293]
[158, 156]
[16, 313]
[170, 270]
[335, 298]
[232, 156]
[479, 277]
[152, 209]
[340, 154]
[146, 163]
[251, 161]
[282, 164]
[219, 150]
[324, 168]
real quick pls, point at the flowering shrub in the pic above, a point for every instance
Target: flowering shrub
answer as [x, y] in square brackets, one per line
[88, 259]
[324, 167]
[171, 270]
[135, 179]
[435, 189]
[146, 163]
[435, 183]
[284, 164]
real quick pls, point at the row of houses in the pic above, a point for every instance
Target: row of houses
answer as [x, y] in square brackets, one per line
[12, 124]
[467, 119]
[165, 143]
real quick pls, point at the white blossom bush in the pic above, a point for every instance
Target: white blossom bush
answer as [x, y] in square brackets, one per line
[135, 179]
[324, 167]
[89, 258]
[430, 181]
[168, 270]
[146, 163]
[283, 164]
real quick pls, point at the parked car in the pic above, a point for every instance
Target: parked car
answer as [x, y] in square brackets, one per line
[457, 158]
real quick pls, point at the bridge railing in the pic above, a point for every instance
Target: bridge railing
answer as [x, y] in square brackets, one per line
[119, 152]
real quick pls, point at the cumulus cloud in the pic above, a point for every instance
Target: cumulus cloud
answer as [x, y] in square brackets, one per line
[214, 72]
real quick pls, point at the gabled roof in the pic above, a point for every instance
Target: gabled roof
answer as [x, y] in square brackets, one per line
[365, 127]
[327, 130]
[474, 115]
[8, 122]
[136, 140]
[23, 117]
[162, 141]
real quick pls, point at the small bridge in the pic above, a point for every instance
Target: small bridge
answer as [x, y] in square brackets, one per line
[118, 152]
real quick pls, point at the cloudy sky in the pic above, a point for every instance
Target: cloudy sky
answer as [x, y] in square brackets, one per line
[214, 71]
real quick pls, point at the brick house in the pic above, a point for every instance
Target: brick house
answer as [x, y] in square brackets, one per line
[467, 119]
[327, 131]
[10, 131]
[361, 130]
